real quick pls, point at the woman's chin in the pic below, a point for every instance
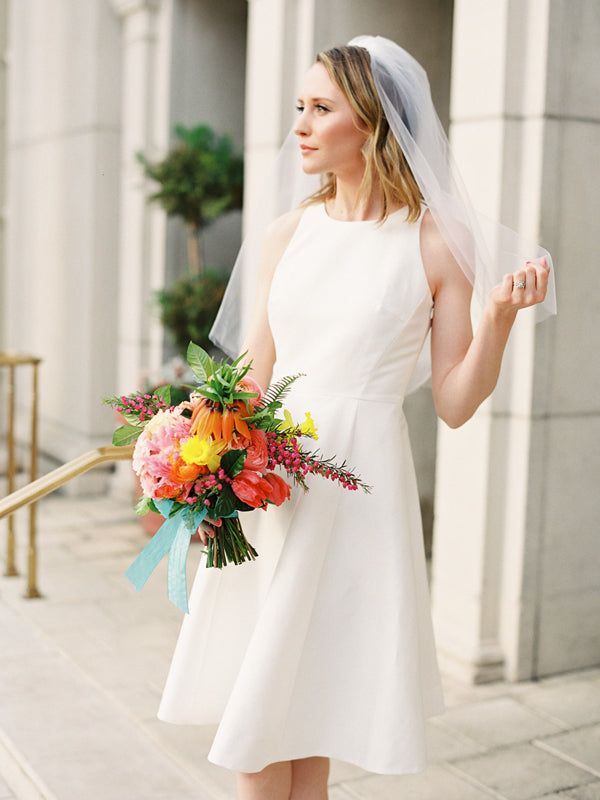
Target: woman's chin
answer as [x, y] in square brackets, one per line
[310, 169]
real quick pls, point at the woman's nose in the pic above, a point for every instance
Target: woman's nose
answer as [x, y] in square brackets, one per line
[301, 127]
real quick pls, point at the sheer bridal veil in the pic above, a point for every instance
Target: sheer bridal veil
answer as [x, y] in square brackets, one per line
[484, 249]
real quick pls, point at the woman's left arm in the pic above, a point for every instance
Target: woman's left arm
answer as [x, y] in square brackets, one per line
[465, 367]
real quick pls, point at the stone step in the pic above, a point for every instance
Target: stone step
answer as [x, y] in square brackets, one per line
[62, 737]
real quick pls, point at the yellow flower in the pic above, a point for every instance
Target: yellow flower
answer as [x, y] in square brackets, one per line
[307, 428]
[203, 452]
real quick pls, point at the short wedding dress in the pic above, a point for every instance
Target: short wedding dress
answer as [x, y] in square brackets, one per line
[323, 646]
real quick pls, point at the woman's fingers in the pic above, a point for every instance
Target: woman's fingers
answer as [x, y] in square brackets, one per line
[205, 531]
[535, 280]
[525, 287]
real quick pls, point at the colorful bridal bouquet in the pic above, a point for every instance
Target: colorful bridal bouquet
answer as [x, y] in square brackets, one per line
[208, 458]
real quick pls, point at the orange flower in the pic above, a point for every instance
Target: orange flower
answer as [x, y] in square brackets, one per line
[184, 473]
[209, 419]
[237, 411]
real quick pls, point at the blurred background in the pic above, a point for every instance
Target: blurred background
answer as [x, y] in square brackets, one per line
[107, 105]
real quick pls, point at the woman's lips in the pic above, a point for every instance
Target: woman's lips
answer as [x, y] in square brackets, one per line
[304, 149]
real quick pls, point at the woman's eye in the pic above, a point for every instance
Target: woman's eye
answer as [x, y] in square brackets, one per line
[299, 108]
[322, 108]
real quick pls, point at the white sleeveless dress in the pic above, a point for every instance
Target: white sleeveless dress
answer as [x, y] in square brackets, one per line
[324, 645]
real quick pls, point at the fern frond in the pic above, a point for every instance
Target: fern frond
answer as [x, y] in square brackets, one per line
[278, 390]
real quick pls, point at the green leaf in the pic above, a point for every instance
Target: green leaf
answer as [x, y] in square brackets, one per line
[233, 462]
[226, 504]
[209, 393]
[126, 434]
[164, 392]
[144, 505]
[199, 361]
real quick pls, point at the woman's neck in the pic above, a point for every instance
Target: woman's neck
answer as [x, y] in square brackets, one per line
[347, 206]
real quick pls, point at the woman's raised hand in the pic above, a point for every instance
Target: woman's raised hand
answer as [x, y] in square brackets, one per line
[523, 288]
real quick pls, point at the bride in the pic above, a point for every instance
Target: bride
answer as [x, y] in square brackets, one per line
[337, 657]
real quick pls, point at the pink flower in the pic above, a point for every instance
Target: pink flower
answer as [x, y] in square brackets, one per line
[251, 488]
[157, 451]
[257, 454]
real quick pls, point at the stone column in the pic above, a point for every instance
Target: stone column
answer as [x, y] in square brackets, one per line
[3, 59]
[510, 596]
[60, 274]
[145, 127]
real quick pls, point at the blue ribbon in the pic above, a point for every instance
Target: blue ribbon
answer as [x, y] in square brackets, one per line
[173, 537]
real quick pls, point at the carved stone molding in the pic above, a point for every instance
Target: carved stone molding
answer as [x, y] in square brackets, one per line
[126, 7]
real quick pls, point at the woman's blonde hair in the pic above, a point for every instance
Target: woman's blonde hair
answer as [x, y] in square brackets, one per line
[349, 68]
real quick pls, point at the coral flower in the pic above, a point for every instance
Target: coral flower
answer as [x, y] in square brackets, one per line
[257, 454]
[280, 489]
[251, 488]
[248, 384]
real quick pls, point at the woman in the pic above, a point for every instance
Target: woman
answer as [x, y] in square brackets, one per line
[323, 647]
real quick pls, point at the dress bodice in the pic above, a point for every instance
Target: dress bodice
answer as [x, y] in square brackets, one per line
[350, 305]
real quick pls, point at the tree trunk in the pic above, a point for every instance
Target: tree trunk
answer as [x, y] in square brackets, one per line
[195, 255]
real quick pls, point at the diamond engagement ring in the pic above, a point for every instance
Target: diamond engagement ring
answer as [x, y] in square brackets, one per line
[520, 285]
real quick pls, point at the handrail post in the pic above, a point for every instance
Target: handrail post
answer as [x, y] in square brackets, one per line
[11, 566]
[32, 590]
[12, 360]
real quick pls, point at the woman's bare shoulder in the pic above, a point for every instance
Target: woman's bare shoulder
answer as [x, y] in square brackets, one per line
[278, 236]
[281, 230]
[433, 244]
[440, 265]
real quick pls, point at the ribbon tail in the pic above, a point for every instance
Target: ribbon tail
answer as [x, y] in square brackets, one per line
[177, 573]
[151, 556]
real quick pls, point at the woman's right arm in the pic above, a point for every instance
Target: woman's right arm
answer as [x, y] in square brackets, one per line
[258, 342]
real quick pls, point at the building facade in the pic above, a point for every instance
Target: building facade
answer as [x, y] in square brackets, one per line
[86, 85]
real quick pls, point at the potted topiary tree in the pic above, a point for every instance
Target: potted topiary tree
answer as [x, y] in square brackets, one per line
[199, 179]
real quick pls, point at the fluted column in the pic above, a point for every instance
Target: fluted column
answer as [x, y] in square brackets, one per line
[515, 569]
[3, 82]
[144, 128]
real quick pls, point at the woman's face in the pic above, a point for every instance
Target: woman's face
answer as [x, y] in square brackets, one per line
[327, 128]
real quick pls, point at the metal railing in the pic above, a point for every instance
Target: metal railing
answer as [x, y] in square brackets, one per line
[38, 487]
[11, 361]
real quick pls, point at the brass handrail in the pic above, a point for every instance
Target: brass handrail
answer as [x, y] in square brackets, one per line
[49, 483]
[53, 480]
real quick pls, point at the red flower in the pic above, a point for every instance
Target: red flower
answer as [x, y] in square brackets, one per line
[251, 488]
[281, 489]
[257, 454]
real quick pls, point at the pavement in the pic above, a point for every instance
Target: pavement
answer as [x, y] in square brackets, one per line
[82, 670]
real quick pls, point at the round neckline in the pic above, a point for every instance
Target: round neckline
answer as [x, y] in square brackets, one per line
[362, 221]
